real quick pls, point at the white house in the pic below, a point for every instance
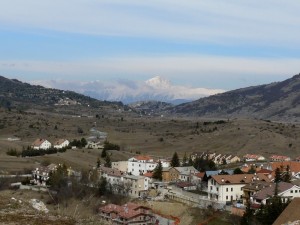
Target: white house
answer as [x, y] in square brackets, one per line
[42, 174]
[40, 143]
[61, 143]
[252, 157]
[287, 191]
[140, 164]
[225, 188]
[279, 158]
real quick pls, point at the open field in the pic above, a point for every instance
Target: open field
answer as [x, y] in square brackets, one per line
[158, 136]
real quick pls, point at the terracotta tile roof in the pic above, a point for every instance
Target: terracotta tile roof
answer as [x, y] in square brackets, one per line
[239, 178]
[38, 142]
[127, 211]
[143, 157]
[294, 166]
[290, 214]
[264, 171]
[200, 175]
[148, 174]
[269, 191]
[250, 156]
[59, 142]
[279, 157]
[184, 184]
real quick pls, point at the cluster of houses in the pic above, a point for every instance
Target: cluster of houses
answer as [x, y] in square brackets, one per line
[217, 158]
[43, 144]
[272, 158]
[134, 178]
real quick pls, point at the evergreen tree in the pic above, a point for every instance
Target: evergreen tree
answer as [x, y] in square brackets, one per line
[157, 172]
[102, 190]
[237, 171]
[184, 160]
[107, 161]
[103, 154]
[83, 142]
[175, 160]
[277, 175]
[252, 170]
[287, 175]
[248, 216]
[190, 163]
[98, 162]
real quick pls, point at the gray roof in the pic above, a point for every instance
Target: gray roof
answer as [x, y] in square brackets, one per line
[186, 170]
[269, 191]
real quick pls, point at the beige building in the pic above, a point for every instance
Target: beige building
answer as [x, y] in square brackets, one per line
[120, 165]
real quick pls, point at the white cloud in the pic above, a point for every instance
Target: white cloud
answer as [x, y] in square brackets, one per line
[228, 22]
[172, 67]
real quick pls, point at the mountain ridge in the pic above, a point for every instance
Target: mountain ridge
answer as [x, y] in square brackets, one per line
[276, 101]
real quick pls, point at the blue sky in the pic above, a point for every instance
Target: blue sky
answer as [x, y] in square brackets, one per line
[213, 44]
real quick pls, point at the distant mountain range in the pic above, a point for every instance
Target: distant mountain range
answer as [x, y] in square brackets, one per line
[127, 91]
[275, 101]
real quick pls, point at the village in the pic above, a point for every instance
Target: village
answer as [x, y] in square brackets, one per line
[202, 179]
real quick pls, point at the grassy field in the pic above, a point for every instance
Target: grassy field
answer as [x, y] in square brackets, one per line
[159, 137]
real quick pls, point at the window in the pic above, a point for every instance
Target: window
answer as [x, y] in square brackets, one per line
[226, 190]
[217, 189]
[226, 197]
[292, 191]
[231, 189]
[210, 187]
[296, 191]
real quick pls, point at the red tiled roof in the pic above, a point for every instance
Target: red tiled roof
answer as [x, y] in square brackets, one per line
[148, 174]
[200, 175]
[279, 157]
[294, 166]
[143, 157]
[38, 142]
[127, 211]
[251, 156]
[264, 171]
[59, 142]
[239, 178]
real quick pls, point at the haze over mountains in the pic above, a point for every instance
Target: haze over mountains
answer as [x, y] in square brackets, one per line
[127, 91]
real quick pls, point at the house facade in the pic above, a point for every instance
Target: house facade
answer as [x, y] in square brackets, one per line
[135, 186]
[228, 188]
[41, 144]
[140, 164]
[120, 165]
[61, 143]
[279, 158]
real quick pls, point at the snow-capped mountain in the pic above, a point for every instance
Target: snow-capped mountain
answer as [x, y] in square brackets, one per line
[127, 91]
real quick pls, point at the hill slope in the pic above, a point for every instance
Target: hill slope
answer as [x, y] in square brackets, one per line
[276, 101]
[14, 93]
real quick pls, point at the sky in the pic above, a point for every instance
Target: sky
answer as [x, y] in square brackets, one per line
[213, 44]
